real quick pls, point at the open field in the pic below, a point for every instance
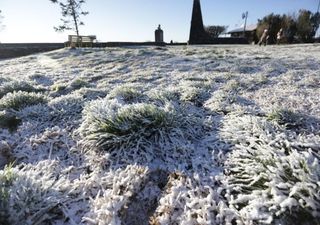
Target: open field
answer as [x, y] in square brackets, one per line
[13, 50]
[161, 135]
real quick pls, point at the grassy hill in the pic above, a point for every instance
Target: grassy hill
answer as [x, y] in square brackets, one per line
[161, 135]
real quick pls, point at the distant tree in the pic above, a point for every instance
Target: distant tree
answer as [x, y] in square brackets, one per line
[289, 26]
[301, 27]
[215, 31]
[271, 22]
[315, 21]
[305, 28]
[71, 12]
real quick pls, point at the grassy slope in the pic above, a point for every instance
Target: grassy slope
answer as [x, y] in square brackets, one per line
[182, 135]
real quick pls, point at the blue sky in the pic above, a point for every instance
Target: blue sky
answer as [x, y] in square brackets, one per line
[134, 20]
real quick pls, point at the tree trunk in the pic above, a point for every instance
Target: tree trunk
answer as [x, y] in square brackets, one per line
[74, 16]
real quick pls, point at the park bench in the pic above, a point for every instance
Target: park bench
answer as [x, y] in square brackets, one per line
[80, 41]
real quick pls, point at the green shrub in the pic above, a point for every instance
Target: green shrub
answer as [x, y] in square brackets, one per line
[19, 100]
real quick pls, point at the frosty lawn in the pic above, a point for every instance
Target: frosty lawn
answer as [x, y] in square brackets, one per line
[172, 135]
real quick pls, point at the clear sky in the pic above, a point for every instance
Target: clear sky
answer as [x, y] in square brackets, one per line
[134, 20]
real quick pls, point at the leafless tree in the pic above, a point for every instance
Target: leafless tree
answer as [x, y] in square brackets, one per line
[71, 12]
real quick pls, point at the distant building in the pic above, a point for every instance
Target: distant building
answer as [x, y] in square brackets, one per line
[249, 33]
[158, 34]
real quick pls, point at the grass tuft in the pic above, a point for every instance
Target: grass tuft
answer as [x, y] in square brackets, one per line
[286, 117]
[126, 93]
[9, 121]
[7, 177]
[109, 125]
[265, 167]
[19, 100]
[14, 86]
[78, 83]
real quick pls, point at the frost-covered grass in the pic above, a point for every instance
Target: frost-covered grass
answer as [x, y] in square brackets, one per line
[15, 86]
[271, 177]
[286, 117]
[112, 126]
[9, 120]
[19, 100]
[208, 135]
[109, 125]
[126, 93]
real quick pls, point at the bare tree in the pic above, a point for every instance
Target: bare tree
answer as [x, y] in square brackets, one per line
[71, 12]
[215, 31]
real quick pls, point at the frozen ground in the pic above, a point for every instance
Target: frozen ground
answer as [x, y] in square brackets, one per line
[181, 135]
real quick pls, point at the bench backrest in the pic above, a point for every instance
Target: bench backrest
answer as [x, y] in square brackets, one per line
[81, 39]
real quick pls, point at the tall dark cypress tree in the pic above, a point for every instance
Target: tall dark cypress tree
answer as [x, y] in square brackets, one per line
[198, 34]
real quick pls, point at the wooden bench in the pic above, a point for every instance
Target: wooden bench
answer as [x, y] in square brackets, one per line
[80, 41]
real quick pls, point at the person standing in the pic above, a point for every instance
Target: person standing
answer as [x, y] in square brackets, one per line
[264, 38]
[279, 36]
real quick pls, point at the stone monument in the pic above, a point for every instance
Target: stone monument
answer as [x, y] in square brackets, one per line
[158, 35]
[198, 35]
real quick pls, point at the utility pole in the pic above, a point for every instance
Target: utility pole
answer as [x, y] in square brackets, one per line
[245, 16]
[318, 6]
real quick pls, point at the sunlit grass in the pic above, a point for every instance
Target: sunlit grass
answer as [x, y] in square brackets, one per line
[19, 100]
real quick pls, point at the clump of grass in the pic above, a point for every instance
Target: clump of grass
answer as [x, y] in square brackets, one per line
[9, 120]
[273, 169]
[66, 107]
[286, 181]
[192, 94]
[20, 99]
[230, 76]
[190, 52]
[57, 87]
[232, 85]
[164, 96]
[196, 79]
[109, 125]
[6, 179]
[261, 79]
[78, 83]
[143, 52]
[126, 93]
[223, 102]
[286, 117]
[14, 86]
[195, 91]
[29, 193]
